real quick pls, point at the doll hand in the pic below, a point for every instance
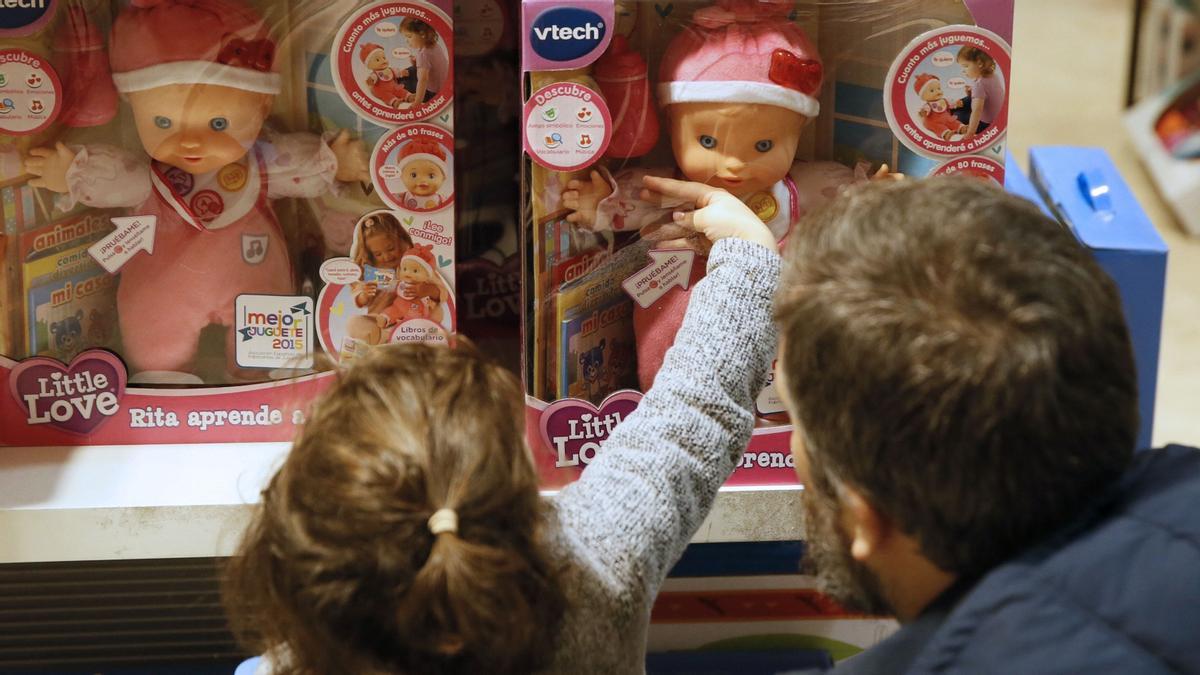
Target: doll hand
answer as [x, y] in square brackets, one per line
[381, 320]
[583, 199]
[50, 165]
[718, 214]
[351, 158]
[411, 98]
[886, 174]
[372, 79]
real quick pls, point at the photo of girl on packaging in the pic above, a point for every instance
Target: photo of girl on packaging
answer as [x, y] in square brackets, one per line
[399, 283]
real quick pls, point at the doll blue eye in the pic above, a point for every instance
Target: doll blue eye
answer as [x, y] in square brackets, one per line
[764, 146]
[162, 122]
[218, 124]
[707, 141]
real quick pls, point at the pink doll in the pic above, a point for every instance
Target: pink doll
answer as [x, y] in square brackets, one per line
[423, 172]
[418, 295]
[200, 79]
[739, 85]
[935, 112]
[384, 80]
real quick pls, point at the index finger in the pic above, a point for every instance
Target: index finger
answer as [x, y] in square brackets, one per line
[697, 193]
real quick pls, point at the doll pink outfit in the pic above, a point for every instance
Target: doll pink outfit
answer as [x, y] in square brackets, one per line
[416, 203]
[387, 87]
[939, 119]
[216, 238]
[405, 308]
[216, 234]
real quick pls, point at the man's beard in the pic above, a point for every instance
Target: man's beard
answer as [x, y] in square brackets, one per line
[827, 556]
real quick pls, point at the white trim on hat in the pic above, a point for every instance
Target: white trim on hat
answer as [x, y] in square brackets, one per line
[197, 72]
[738, 91]
[441, 163]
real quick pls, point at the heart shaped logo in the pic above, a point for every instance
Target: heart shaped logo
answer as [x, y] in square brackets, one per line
[75, 398]
[574, 428]
[444, 262]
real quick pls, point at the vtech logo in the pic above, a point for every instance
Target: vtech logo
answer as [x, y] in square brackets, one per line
[16, 15]
[566, 33]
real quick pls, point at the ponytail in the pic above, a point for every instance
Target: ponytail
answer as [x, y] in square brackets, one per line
[404, 532]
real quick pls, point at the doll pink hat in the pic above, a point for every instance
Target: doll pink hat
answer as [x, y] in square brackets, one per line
[922, 80]
[422, 149]
[421, 254]
[156, 43]
[367, 49]
[743, 51]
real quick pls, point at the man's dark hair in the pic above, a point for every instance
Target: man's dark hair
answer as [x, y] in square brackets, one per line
[960, 359]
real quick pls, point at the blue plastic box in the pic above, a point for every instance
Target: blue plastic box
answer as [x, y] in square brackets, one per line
[1084, 190]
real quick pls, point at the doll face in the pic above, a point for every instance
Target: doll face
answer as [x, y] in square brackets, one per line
[932, 91]
[377, 60]
[743, 148]
[971, 70]
[385, 249]
[422, 177]
[412, 272]
[198, 127]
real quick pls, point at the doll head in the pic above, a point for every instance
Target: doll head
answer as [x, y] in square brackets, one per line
[928, 87]
[340, 566]
[417, 265]
[380, 241]
[422, 167]
[739, 84]
[199, 76]
[373, 56]
[418, 33]
[975, 63]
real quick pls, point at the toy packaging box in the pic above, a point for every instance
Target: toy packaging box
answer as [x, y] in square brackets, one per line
[783, 103]
[753, 624]
[208, 204]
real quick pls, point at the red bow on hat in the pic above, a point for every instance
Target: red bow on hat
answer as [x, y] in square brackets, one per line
[252, 54]
[793, 72]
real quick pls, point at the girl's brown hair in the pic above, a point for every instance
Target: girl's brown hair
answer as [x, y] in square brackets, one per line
[987, 65]
[380, 222]
[339, 572]
[418, 27]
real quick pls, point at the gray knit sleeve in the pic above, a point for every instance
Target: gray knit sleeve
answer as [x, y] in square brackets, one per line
[640, 501]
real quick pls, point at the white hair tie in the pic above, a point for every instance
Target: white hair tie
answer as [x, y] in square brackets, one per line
[443, 520]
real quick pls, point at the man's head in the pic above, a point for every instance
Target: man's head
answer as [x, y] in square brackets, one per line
[961, 379]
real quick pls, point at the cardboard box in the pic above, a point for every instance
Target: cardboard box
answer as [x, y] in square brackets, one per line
[920, 86]
[264, 254]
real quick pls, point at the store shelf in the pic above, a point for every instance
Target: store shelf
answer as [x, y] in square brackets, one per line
[133, 502]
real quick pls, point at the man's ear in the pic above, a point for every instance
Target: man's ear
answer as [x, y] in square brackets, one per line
[867, 528]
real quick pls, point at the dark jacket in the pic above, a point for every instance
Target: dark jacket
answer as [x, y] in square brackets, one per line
[1116, 592]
